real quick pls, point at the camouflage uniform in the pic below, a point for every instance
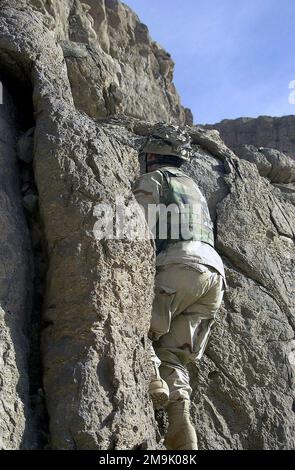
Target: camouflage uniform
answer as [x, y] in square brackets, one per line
[189, 282]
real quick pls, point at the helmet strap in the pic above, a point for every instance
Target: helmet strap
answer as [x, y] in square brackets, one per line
[164, 160]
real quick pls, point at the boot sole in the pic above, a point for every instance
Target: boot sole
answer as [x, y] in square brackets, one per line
[160, 399]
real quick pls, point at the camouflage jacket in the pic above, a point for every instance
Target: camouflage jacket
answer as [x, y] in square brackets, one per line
[152, 188]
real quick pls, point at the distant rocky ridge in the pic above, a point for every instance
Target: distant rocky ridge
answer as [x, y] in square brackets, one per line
[82, 89]
[264, 131]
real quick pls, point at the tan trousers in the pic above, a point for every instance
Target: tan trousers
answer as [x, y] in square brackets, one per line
[184, 310]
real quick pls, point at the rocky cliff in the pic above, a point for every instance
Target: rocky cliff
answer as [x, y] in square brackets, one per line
[82, 84]
[113, 65]
[265, 131]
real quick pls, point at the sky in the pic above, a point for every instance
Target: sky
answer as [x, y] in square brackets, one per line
[232, 58]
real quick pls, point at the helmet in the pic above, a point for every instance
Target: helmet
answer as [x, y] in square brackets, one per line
[168, 140]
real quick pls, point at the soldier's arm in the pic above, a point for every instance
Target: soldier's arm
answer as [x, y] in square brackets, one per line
[148, 189]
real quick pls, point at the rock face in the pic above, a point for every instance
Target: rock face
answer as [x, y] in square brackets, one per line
[113, 65]
[265, 131]
[15, 291]
[244, 389]
[98, 295]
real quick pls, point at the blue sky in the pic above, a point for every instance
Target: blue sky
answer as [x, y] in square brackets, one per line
[233, 57]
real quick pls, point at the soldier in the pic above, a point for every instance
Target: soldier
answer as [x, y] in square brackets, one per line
[189, 277]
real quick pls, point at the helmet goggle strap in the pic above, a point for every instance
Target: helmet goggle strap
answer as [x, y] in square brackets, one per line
[156, 159]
